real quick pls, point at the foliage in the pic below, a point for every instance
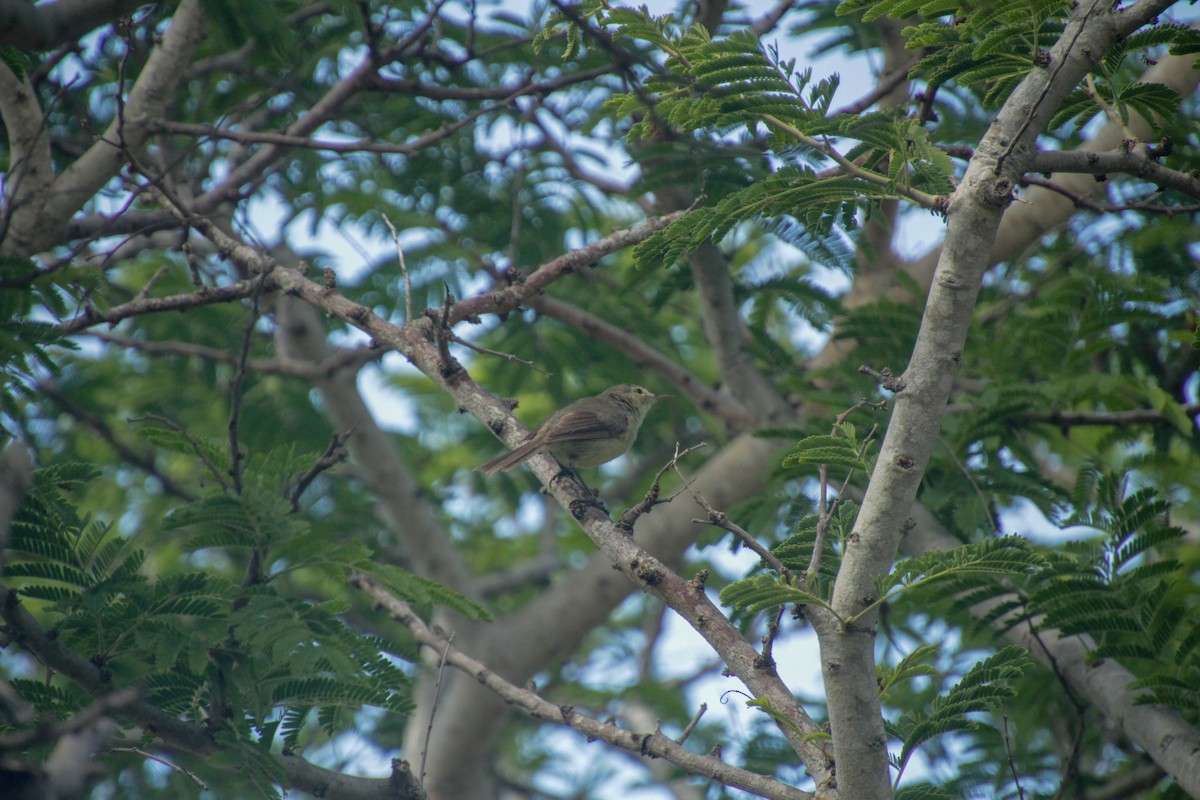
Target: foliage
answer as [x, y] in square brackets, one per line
[260, 660]
[192, 531]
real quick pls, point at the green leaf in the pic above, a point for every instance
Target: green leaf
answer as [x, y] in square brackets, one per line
[762, 592]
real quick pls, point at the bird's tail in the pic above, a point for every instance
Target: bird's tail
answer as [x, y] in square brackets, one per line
[508, 460]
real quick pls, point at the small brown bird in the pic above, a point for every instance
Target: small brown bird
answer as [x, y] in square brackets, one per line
[586, 433]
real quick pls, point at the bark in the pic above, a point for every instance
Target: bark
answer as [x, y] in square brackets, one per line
[847, 634]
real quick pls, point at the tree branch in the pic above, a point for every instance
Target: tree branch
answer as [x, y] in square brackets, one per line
[1124, 161]
[654, 745]
[643, 355]
[976, 207]
[153, 91]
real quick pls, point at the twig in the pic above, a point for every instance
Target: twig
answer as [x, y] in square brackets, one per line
[883, 87]
[143, 458]
[766, 659]
[825, 509]
[437, 691]
[489, 352]
[235, 389]
[720, 404]
[691, 726]
[884, 377]
[509, 298]
[171, 764]
[631, 514]
[518, 184]
[1012, 766]
[444, 335]
[341, 358]
[722, 520]
[923, 199]
[1083, 201]
[767, 22]
[144, 292]
[974, 484]
[334, 454]
[408, 308]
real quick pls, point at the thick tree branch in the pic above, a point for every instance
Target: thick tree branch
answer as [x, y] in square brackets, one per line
[30, 173]
[42, 225]
[1043, 210]
[847, 653]
[1123, 161]
[416, 341]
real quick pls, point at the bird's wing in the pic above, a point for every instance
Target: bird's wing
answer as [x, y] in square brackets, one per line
[574, 426]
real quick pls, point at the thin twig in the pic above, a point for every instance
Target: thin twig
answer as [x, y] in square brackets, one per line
[334, 454]
[1012, 766]
[408, 312]
[444, 335]
[923, 199]
[506, 356]
[826, 510]
[437, 691]
[691, 726]
[722, 520]
[974, 483]
[171, 764]
[342, 358]
[650, 500]
[235, 389]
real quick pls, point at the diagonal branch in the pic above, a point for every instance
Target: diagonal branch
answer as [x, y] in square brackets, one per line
[654, 745]
[153, 91]
[524, 289]
[416, 341]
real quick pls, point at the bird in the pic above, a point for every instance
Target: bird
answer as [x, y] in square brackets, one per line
[586, 433]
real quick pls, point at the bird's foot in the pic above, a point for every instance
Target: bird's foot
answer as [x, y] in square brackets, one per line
[579, 506]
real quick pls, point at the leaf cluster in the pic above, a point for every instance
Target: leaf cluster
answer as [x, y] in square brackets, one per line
[990, 47]
[985, 688]
[718, 88]
[1126, 590]
[267, 665]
